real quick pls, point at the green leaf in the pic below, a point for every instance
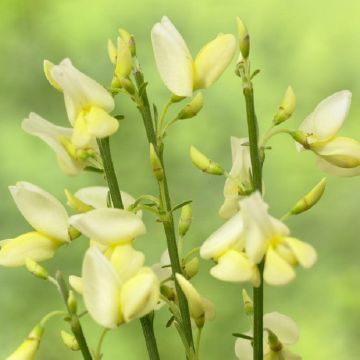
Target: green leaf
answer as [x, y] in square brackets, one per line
[179, 206]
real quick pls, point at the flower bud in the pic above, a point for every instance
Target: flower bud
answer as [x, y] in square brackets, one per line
[192, 108]
[168, 292]
[156, 164]
[71, 302]
[70, 341]
[127, 85]
[36, 269]
[191, 267]
[27, 350]
[185, 219]
[129, 40]
[286, 108]
[310, 199]
[248, 303]
[244, 38]
[123, 59]
[205, 164]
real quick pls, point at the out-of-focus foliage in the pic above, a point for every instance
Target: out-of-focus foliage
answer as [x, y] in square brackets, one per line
[312, 45]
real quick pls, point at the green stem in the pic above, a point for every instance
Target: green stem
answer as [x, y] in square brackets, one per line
[74, 320]
[269, 134]
[115, 194]
[98, 354]
[52, 314]
[198, 342]
[147, 324]
[105, 153]
[168, 221]
[256, 166]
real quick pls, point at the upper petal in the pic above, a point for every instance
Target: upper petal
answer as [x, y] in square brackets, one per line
[213, 59]
[223, 239]
[283, 327]
[32, 245]
[80, 90]
[101, 289]
[109, 226]
[173, 58]
[41, 210]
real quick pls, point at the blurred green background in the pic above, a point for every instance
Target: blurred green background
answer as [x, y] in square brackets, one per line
[312, 45]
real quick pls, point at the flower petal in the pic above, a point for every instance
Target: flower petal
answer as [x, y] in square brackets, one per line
[224, 238]
[336, 170]
[101, 289]
[109, 226]
[277, 271]
[234, 266]
[126, 261]
[172, 58]
[283, 327]
[51, 135]
[243, 349]
[304, 253]
[76, 283]
[32, 245]
[80, 91]
[213, 59]
[140, 294]
[41, 210]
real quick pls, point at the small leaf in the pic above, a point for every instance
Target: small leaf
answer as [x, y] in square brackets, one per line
[93, 169]
[179, 206]
[170, 321]
[119, 117]
[254, 73]
[243, 336]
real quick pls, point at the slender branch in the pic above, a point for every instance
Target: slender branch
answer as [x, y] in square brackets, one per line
[74, 320]
[256, 166]
[168, 221]
[146, 321]
[98, 354]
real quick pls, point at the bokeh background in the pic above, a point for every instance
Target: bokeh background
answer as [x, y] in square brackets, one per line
[312, 45]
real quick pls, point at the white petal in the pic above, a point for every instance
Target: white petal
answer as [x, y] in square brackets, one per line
[140, 294]
[288, 355]
[109, 226]
[233, 266]
[96, 196]
[240, 158]
[41, 210]
[32, 245]
[101, 289]
[223, 239]
[80, 91]
[51, 134]
[336, 170]
[339, 151]
[209, 308]
[213, 59]
[277, 271]
[172, 58]
[243, 349]
[283, 327]
[330, 114]
[126, 261]
[304, 253]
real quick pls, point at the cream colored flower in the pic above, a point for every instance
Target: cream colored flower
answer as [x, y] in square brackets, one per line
[286, 333]
[180, 73]
[49, 219]
[71, 160]
[117, 290]
[226, 246]
[337, 155]
[269, 237]
[87, 103]
[238, 181]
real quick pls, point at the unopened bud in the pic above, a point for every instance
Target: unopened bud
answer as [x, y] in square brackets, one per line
[129, 40]
[185, 219]
[191, 267]
[286, 108]
[112, 51]
[123, 59]
[244, 38]
[204, 163]
[127, 85]
[156, 164]
[310, 199]
[36, 269]
[168, 292]
[248, 303]
[71, 302]
[27, 350]
[70, 341]
[76, 204]
[192, 108]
